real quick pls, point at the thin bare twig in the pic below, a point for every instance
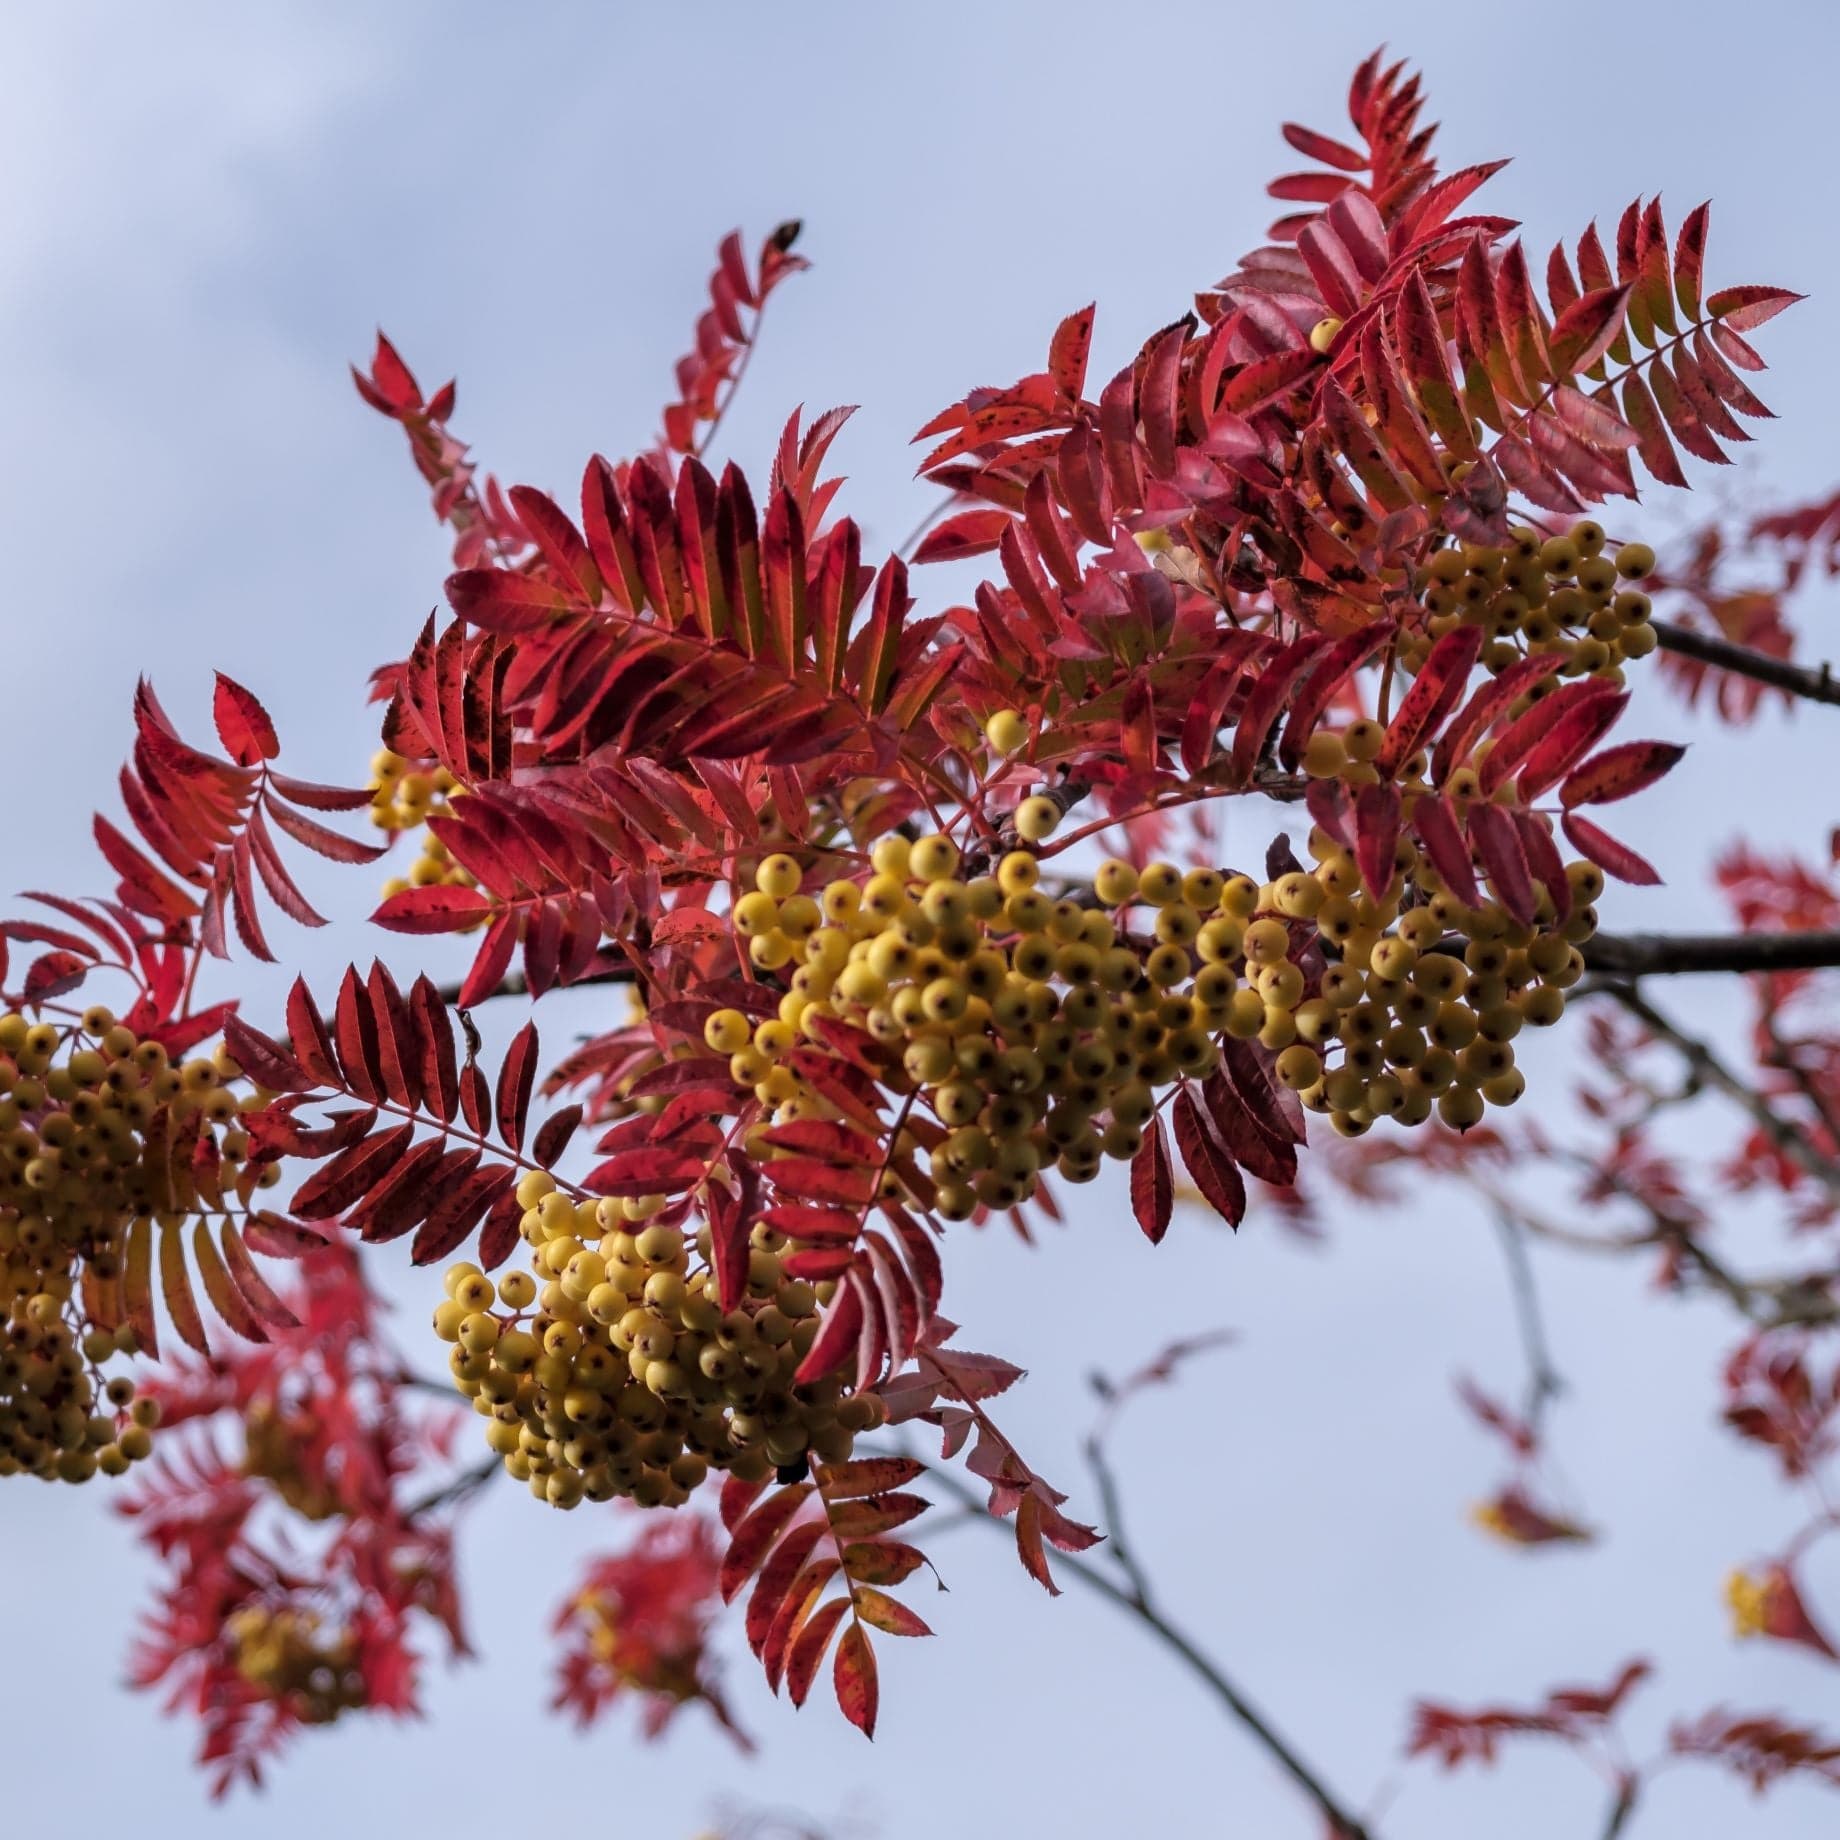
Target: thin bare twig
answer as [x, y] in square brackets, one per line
[1711, 1071]
[1544, 1383]
[458, 1489]
[1137, 1602]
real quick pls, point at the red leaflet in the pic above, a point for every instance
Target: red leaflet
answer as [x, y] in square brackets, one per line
[1376, 834]
[499, 601]
[1159, 393]
[1497, 843]
[1652, 444]
[1265, 380]
[1612, 857]
[329, 1191]
[1569, 737]
[1483, 709]
[752, 1538]
[1207, 1160]
[264, 1059]
[645, 1172]
[1327, 675]
[807, 1656]
[1587, 329]
[1201, 725]
[1067, 352]
[1423, 354]
[516, 1077]
[1619, 771]
[730, 1215]
[854, 1673]
[561, 543]
[971, 533]
[1331, 807]
[837, 1335]
[777, 1578]
[1316, 146]
[1152, 1187]
[1265, 699]
[1440, 681]
[1744, 309]
[243, 724]
[1543, 859]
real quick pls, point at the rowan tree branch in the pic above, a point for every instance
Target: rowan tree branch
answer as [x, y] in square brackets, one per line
[1817, 683]
[1711, 1071]
[456, 1489]
[1137, 1603]
[1613, 954]
[1629, 955]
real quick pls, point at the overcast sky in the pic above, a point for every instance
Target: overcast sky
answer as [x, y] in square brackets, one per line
[207, 210]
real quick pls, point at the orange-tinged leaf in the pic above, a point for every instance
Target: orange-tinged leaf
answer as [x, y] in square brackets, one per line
[250, 1281]
[176, 1288]
[854, 1678]
[807, 1654]
[887, 1613]
[753, 1537]
[882, 1561]
[225, 1298]
[868, 1476]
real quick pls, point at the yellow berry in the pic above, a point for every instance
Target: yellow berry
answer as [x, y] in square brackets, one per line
[1007, 732]
[1036, 819]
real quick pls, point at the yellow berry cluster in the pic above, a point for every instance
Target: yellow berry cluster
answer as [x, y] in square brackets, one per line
[286, 1655]
[85, 1117]
[1034, 1029]
[1418, 998]
[614, 1371]
[273, 1438]
[403, 796]
[1567, 594]
[1038, 1030]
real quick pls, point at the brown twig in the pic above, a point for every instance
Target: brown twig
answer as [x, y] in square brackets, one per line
[1136, 1600]
[457, 1489]
[1628, 955]
[1817, 684]
[1711, 1071]
[1627, 1792]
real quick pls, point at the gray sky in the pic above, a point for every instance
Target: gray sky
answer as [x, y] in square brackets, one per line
[207, 210]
